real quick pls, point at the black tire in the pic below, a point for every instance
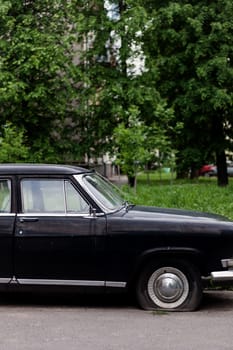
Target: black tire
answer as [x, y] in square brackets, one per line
[171, 285]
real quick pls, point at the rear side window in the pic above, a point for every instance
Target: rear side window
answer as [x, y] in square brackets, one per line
[5, 196]
[51, 196]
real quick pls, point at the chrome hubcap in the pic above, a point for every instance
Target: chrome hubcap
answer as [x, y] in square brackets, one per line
[168, 287]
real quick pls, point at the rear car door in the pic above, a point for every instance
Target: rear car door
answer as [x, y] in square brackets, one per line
[7, 222]
[55, 237]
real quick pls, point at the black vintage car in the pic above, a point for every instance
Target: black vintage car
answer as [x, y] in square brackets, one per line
[68, 226]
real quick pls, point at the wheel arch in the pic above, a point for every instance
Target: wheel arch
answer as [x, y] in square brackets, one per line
[189, 255]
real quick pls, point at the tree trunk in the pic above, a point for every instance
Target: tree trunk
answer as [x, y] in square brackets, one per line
[181, 171]
[194, 172]
[131, 180]
[122, 6]
[221, 168]
[220, 140]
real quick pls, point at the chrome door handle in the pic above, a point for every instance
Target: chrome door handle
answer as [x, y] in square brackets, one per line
[29, 219]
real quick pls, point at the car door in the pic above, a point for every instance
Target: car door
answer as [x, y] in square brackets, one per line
[7, 222]
[55, 237]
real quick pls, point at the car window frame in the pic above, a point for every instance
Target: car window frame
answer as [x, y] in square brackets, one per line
[101, 207]
[8, 178]
[44, 213]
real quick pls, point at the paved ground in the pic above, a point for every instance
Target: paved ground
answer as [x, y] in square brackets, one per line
[97, 323]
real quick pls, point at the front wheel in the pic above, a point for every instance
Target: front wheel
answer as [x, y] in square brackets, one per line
[171, 285]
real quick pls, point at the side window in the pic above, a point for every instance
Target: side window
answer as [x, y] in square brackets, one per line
[74, 202]
[5, 196]
[51, 196]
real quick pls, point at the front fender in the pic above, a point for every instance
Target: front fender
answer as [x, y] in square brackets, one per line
[192, 255]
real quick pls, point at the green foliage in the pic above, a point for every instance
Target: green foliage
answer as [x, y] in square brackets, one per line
[191, 55]
[112, 86]
[68, 79]
[132, 154]
[138, 144]
[201, 195]
[67, 74]
[36, 67]
[12, 145]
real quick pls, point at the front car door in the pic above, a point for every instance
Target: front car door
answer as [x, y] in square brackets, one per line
[55, 236]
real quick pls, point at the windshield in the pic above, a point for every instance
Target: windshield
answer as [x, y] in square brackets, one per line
[106, 193]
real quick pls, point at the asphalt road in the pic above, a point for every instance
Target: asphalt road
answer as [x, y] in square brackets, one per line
[39, 322]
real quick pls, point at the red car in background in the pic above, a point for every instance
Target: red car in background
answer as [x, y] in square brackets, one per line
[211, 170]
[206, 169]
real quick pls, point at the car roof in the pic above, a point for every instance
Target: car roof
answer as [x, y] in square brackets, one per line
[40, 169]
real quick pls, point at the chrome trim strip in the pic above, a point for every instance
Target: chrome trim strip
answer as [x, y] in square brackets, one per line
[227, 263]
[53, 214]
[7, 214]
[51, 282]
[84, 283]
[5, 280]
[222, 275]
[115, 284]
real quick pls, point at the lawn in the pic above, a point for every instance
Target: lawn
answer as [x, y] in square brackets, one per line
[202, 194]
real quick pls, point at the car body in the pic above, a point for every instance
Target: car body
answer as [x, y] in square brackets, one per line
[65, 226]
[214, 172]
[206, 169]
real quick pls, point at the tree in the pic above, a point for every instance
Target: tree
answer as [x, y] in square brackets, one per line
[191, 45]
[114, 83]
[12, 145]
[68, 75]
[131, 153]
[36, 88]
[137, 144]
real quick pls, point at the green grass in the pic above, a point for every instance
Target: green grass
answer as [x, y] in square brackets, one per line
[201, 195]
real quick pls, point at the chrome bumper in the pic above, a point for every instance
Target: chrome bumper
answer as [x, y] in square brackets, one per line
[226, 275]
